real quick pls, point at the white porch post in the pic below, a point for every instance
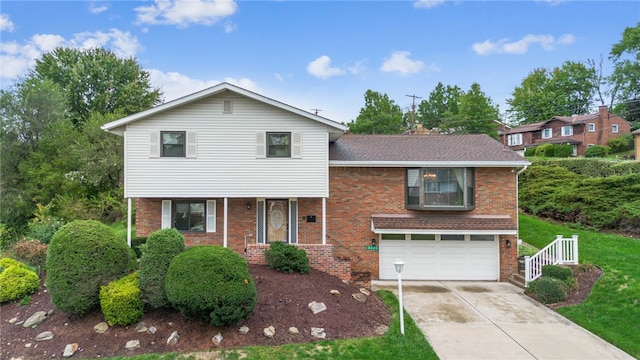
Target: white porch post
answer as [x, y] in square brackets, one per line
[129, 221]
[324, 221]
[226, 204]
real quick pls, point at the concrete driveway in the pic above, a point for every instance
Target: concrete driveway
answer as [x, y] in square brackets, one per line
[492, 320]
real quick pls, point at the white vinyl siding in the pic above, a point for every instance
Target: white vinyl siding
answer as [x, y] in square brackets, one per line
[229, 162]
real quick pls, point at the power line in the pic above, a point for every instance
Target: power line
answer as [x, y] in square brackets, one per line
[413, 111]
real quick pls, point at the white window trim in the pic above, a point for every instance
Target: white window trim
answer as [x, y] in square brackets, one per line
[544, 131]
[592, 127]
[567, 130]
[295, 145]
[615, 128]
[191, 145]
[210, 213]
[515, 139]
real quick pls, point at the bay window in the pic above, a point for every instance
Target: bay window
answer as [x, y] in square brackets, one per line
[440, 189]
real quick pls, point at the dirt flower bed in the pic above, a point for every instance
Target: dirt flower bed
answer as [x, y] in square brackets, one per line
[282, 303]
[586, 278]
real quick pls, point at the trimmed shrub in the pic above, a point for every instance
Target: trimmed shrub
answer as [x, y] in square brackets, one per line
[211, 283]
[559, 272]
[16, 280]
[136, 243]
[161, 247]
[595, 151]
[82, 256]
[563, 151]
[549, 290]
[621, 143]
[545, 150]
[530, 152]
[121, 300]
[287, 258]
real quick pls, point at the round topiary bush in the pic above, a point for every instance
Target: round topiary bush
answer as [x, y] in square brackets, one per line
[82, 256]
[16, 280]
[550, 290]
[121, 300]
[161, 247]
[212, 284]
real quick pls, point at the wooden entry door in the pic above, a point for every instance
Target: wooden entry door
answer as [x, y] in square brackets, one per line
[277, 220]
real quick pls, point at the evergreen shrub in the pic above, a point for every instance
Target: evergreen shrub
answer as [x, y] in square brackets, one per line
[559, 272]
[160, 248]
[82, 256]
[545, 150]
[550, 290]
[121, 300]
[563, 151]
[211, 283]
[287, 258]
[16, 280]
[595, 151]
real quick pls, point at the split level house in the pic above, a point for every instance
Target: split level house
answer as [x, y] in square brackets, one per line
[580, 131]
[230, 167]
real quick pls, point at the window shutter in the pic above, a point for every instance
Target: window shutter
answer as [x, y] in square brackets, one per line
[154, 144]
[293, 221]
[211, 216]
[296, 145]
[261, 145]
[166, 214]
[192, 144]
[260, 221]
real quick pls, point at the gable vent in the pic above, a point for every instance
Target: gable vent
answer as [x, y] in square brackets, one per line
[227, 106]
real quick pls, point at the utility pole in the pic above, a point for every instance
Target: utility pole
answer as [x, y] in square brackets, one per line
[413, 111]
[316, 111]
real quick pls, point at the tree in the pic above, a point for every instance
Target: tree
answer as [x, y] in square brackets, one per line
[562, 91]
[380, 115]
[442, 103]
[97, 81]
[625, 79]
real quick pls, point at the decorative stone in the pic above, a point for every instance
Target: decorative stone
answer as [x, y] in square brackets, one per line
[36, 319]
[294, 330]
[141, 327]
[317, 307]
[360, 297]
[132, 344]
[217, 340]
[381, 330]
[244, 329]
[269, 331]
[47, 335]
[365, 291]
[101, 327]
[70, 349]
[345, 281]
[50, 312]
[13, 320]
[28, 345]
[152, 330]
[173, 338]
[318, 333]
[334, 292]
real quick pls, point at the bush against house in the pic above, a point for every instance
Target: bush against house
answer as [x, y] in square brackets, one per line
[287, 258]
[212, 284]
[161, 247]
[82, 256]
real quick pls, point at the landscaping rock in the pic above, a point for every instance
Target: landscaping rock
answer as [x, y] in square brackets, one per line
[217, 340]
[152, 330]
[173, 338]
[47, 335]
[269, 331]
[132, 344]
[13, 320]
[294, 330]
[334, 292]
[317, 307]
[101, 327]
[141, 327]
[36, 319]
[318, 333]
[360, 297]
[365, 291]
[244, 330]
[70, 349]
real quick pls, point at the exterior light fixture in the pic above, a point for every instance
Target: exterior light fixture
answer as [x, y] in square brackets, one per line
[248, 205]
[373, 242]
[508, 243]
[399, 265]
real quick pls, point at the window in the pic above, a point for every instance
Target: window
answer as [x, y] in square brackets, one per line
[592, 127]
[567, 130]
[173, 143]
[515, 139]
[278, 144]
[547, 133]
[189, 215]
[614, 128]
[440, 189]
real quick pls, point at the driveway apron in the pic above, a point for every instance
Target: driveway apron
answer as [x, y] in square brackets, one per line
[494, 320]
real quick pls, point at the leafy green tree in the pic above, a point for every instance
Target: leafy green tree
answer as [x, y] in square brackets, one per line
[380, 115]
[477, 114]
[545, 93]
[625, 79]
[442, 103]
[97, 81]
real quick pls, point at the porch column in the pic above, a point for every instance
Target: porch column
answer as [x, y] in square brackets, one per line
[224, 234]
[129, 221]
[324, 221]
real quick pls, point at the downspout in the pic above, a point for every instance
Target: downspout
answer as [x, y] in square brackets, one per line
[518, 201]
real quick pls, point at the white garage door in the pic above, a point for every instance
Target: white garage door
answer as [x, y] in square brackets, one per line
[440, 257]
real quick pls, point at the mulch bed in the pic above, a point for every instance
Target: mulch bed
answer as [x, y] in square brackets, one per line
[282, 303]
[586, 278]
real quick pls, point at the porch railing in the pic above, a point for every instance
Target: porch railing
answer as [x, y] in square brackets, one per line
[560, 251]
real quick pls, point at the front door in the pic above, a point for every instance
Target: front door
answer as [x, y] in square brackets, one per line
[277, 220]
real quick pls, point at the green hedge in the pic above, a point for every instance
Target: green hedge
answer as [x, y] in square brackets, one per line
[82, 256]
[121, 300]
[161, 247]
[211, 283]
[287, 258]
[548, 290]
[595, 151]
[16, 280]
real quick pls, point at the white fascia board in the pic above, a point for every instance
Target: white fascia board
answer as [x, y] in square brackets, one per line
[336, 163]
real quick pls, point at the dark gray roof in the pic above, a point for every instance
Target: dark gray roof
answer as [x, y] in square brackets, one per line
[526, 128]
[421, 148]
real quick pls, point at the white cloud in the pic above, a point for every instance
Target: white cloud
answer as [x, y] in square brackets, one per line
[229, 27]
[97, 8]
[182, 13]
[427, 4]
[546, 42]
[175, 85]
[17, 58]
[5, 23]
[321, 68]
[400, 62]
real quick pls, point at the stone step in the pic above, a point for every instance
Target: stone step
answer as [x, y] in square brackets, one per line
[517, 280]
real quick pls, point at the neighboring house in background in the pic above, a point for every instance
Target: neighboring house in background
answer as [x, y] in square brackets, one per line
[636, 142]
[580, 131]
[230, 167]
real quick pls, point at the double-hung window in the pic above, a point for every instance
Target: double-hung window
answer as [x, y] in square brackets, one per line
[614, 128]
[592, 127]
[515, 139]
[189, 215]
[173, 143]
[547, 133]
[567, 130]
[440, 189]
[278, 144]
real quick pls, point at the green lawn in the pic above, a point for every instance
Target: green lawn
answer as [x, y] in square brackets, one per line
[393, 345]
[612, 311]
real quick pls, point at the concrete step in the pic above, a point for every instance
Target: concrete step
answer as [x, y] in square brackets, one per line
[518, 280]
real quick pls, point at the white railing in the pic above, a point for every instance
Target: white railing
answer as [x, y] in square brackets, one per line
[560, 251]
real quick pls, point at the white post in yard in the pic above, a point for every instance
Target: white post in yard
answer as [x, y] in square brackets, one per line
[399, 265]
[129, 221]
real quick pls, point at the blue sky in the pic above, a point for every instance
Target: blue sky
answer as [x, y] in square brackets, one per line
[322, 54]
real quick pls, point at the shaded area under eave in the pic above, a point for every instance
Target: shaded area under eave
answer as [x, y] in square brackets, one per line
[443, 224]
